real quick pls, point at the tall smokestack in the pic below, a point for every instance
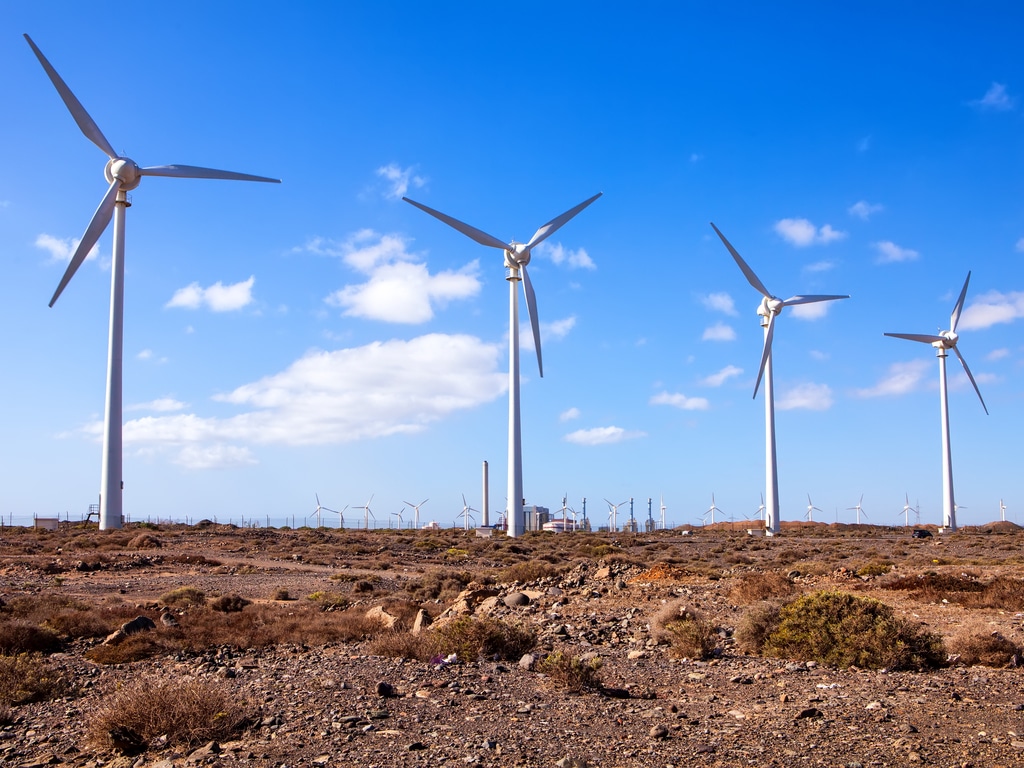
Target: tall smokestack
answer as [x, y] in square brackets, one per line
[486, 518]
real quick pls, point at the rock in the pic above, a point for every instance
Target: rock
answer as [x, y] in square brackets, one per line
[527, 661]
[621, 584]
[421, 622]
[385, 619]
[488, 605]
[133, 627]
[634, 655]
[572, 762]
[516, 600]
[168, 620]
[810, 712]
[126, 741]
[603, 574]
[416, 746]
[490, 744]
[385, 690]
[658, 732]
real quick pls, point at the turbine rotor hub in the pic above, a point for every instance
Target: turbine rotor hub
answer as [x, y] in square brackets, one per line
[769, 306]
[125, 171]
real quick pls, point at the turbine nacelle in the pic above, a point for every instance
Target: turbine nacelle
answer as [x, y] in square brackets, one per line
[123, 170]
[517, 255]
[770, 305]
[949, 339]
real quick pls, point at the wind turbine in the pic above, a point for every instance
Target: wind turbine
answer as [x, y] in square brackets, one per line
[857, 507]
[811, 509]
[123, 175]
[1002, 511]
[341, 517]
[416, 509]
[398, 514]
[466, 509]
[613, 514]
[711, 510]
[367, 513]
[320, 507]
[942, 342]
[769, 309]
[762, 511]
[906, 511]
[663, 509]
[517, 256]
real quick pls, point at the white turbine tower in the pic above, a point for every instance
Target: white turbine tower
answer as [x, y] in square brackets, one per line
[367, 513]
[416, 510]
[123, 175]
[517, 256]
[320, 507]
[942, 342]
[663, 510]
[769, 309]
[762, 511]
[906, 511]
[1002, 511]
[466, 509]
[711, 510]
[811, 509]
[859, 509]
[613, 514]
[398, 514]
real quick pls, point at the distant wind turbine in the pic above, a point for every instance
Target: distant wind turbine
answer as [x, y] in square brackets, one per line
[858, 508]
[711, 510]
[943, 342]
[123, 175]
[1002, 511]
[319, 508]
[398, 514]
[663, 509]
[367, 513]
[906, 511]
[466, 509]
[416, 510]
[517, 256]
[769, 308]
[613, 514]
[811, 509]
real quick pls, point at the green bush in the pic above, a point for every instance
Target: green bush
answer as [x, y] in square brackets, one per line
[26, 678]
[183, 596]
[842, 630]
[470, 637]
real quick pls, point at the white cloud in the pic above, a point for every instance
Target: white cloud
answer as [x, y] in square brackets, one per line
[556, 330]
[147, 355]
[160, 405]
[862, 209]
[569, 414]
[901, 378]
[889, 252]
[718, 379]
[996, 98]
[801, 232]
[812, 397]
[214, 457]
[217, 298]
[719, 302]
[680, 401]
[998, 354]
[820, 266]
[718, 332]
[817, 354]
[602, 436]
[559, 254]
[325, 398]
[399, 179]
[400, 288]
[63, 250]
[814, 311]
[992, 308]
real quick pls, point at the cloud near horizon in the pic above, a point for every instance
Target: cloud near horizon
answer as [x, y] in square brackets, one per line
[802, 233]
[325, 398]
[995, 99]
[62, 250]
[719, 302]
[560, 255]
[992, 308]
[864, 210]
[811, 397]
[718, 332]
[718, 379]
[399, 180]
[890, 253]
[900, 379]
[680, 401]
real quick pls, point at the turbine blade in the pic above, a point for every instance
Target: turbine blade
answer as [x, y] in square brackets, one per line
[85, 122]
[954, 318]
[556, 223]
[99, 222]
[196, 172]
[924, 338]
[971, 377]
[531, 309]
[471, 232]
[751, 277]
[765, 352]
[794, 300]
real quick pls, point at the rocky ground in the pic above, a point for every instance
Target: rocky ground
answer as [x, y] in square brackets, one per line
[337, 704]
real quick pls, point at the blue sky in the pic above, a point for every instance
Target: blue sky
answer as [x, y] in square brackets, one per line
[322, 336]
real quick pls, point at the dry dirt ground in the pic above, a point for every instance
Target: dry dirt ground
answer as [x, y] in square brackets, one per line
[320, 696]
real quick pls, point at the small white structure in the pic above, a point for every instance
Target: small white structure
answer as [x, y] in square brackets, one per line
[562, 525]
[47, 523]
[433, 525]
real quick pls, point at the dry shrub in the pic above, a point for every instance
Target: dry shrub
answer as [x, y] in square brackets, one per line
[754, 587]
[1001, 592]
[329, 601]
[280, 594]
[187, 712]
[27, 677]
[184, 596]
[688, 634]
[470, 637]
[986, 650]
[230, 603]
[264, 625]
[571, 673]
[143, 645]
[145, 541]
[843, 630]
[20, 636]
[400, 644]
[755, 627]
[528, 570]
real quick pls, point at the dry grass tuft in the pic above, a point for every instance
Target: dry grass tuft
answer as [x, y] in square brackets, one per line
[230, 604]
[27, 677]
[986, 650]
[571, 673]
[187, 712]
[754, 587]
[688, 634]
[21, 636]
[400, 644]
[184, 596]
[469, 638]
[145, 541]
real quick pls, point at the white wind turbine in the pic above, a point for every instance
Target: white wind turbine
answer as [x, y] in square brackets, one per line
[663, 510]
[811, 509]
[858, 509]
[320, 507]
[416, 511]
[341, 516]
[367, 513]
[762, 511]
[123, 175]
[906, 511]
[711, 510]
[769, 309]
[1002, 511]
[942, 342]
[466, 509]
[398, 514]
[613, 514]
[517, 256]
